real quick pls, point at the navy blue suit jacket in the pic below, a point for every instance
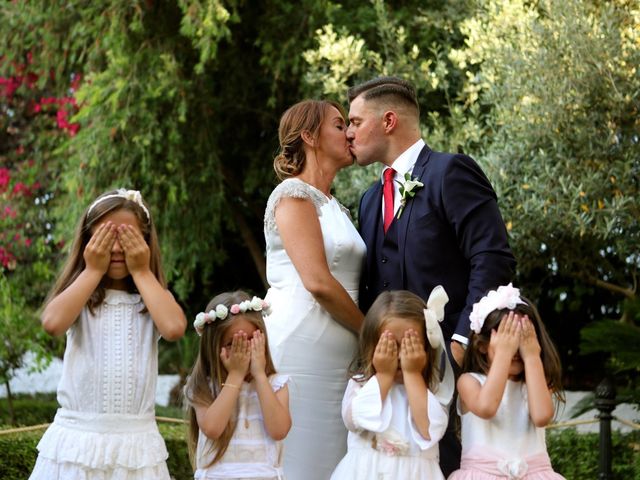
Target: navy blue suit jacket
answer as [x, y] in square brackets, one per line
[450, 233]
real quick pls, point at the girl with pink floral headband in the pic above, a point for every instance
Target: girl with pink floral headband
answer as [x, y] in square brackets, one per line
[511, 371]
[396, 406]
[238, 406]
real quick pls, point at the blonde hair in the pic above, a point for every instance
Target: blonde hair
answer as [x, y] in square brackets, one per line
[476, 356]
[304, 116]
[208, 373]
[75, 263]
[394, 304]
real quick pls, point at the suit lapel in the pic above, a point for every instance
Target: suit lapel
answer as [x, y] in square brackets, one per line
[403, 221]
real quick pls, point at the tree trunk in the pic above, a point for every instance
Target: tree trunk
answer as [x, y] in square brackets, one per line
[12, 413]
[252, 245]
[627, 292]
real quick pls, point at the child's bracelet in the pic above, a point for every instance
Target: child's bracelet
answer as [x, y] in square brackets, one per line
[230, 385]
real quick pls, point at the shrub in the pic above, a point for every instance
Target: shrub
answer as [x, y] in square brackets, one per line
[575, 455]
[18, 451]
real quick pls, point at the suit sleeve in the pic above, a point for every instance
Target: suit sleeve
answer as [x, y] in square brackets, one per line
[471, 208]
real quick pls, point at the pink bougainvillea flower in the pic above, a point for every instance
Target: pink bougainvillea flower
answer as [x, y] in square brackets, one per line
[5, 177]
[21, 188]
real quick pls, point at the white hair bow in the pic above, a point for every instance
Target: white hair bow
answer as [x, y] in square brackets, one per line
[442, 386]
[131, 195]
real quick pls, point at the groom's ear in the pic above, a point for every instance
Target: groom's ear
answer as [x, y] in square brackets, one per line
[308, 138]
[389, 121]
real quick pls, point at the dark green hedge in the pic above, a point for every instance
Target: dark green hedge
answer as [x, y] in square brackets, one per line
[576, 455]
[18, 453]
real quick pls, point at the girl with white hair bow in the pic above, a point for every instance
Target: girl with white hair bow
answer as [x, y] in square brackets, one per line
[396, 403]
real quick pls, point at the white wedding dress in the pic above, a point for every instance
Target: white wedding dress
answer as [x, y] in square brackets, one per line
[306, 342]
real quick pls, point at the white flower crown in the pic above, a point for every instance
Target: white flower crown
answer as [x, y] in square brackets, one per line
[221, 312]
[505, 296]
[131, 195]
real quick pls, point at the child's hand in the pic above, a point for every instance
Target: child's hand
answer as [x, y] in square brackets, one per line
[258, 357]
[529, 345]
[97, 253]
[237, 357]
[136, 250]
[507, 338]
[413, 358]
[385, 356]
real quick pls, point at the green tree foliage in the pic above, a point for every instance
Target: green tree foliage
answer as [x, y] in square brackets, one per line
[181, 100]
[32, 123]
[21, 333]
[178, 99]
[545, 96]
[562, 142]
[620, 340]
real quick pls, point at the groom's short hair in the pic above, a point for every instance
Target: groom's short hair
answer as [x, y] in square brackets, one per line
[392, 88]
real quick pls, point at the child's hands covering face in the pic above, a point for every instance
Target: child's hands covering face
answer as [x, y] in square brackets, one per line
[136, 250]
[529, 345]
[237, 357]
[507, 338]
[385, 356]
[97, 253]
[413, 358]
[258, 356]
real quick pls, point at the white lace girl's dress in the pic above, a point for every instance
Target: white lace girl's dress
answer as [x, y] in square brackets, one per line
[252, 454]
[507, 446]
[384, 443]
[305, 341]
[105, 427]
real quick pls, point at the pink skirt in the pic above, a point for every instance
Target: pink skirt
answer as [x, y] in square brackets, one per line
[533, 467]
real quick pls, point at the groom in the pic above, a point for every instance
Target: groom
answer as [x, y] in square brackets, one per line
[449, 232]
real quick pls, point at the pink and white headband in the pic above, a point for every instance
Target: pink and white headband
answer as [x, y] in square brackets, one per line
[220, 312]
[506, 296]
[132, 195]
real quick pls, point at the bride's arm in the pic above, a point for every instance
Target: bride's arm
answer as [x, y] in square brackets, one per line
[299, 228]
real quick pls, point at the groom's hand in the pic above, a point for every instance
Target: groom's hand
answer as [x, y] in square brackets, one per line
[457, 351]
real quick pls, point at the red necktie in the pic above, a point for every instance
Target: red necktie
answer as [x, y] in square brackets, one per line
[387, 191]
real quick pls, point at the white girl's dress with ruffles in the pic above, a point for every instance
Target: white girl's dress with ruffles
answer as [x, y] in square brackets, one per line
[105, 427]
[507, 446]
[304, 339]
[384, 443]
[252, 454]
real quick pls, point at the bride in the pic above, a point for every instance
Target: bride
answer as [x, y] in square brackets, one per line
[314, 257]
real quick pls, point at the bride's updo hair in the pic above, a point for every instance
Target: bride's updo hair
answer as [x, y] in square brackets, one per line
[306, 115]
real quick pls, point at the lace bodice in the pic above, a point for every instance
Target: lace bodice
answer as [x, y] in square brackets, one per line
[295, 188]
[344, 248]
[111, 358]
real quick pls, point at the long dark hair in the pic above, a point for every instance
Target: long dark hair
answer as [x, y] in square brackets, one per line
[476, 358]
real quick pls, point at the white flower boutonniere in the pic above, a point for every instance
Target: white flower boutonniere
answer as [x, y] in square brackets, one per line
[408, 190]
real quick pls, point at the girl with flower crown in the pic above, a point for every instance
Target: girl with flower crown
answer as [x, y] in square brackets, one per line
[238, 406]
[396, 404]
[112, 303]
[511, 372]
